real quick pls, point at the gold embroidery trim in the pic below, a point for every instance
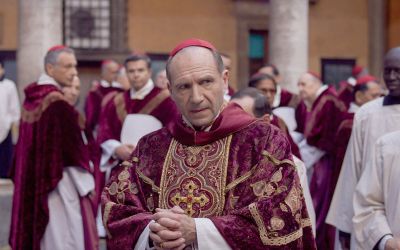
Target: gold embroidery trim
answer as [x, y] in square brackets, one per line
[147, 180]
[306, 223]
[275, 161]
[106, 215]
[241, 179]
[155, 102]
[120, 106]
[31, 116]
[272, 241]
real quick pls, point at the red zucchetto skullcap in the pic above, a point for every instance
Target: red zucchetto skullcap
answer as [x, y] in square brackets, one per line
[192, 42]
[56, 47]
[365, 79]
[356, 70]
[316, 75]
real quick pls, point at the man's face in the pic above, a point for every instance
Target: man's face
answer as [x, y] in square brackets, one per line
[196, 85]
[110, 73]
[268, 88]
[391, 73]
[374, 91]
[64, 70]
[270, 71]
[138, 74]
[72, 92]
[308, 87]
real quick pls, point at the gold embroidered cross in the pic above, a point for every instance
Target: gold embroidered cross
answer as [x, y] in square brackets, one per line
[190, 199]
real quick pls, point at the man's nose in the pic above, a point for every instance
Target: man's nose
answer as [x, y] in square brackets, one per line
[197, 94]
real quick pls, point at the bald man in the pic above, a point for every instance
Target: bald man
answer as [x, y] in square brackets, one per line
[215, 178]
[318, 150]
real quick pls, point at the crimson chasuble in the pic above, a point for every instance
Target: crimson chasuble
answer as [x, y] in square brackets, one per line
[93, 104]
[49, 140]
[157, 103]
[240, 175]
[345, 93]
[322, 124]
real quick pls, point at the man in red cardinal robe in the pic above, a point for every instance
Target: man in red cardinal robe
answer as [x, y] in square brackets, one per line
[215, 178]
[318, 149]
[51, 172]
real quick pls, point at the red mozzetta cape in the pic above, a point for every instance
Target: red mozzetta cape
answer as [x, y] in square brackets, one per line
[239, 175]
[157, 103]
[49, 139]
[93, 104]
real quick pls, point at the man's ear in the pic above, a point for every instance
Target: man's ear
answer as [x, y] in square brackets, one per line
[49, 68]
[358, 98]
[225, 77]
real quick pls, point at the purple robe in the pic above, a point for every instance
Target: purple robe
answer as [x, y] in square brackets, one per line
[240, 175]
[49, 140]
[93, 104]
[289, 99]
[345, 93]
[301, 115]
[322, 124]
[157, 103]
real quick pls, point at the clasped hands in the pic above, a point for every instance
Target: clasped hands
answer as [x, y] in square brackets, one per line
[172, 229]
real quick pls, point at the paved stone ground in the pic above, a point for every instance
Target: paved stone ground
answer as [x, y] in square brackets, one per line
[6, 192]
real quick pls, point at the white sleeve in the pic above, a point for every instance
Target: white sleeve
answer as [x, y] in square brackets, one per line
[369, 221]
[108, 148]
[82, 179]
[208, 236]
[15, 110]
[143, 241]
[309, 154]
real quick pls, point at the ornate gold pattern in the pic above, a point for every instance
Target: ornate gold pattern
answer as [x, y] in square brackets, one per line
[277, 223]
[194, 177]
[106, 215]
[149, 181]
[119, 102]
[241, 179]
[190, 199]
[124, 184]
[306, 223]
[293, 200]
[150, 203]
[275, 161]
[263, 189]
[270, 239]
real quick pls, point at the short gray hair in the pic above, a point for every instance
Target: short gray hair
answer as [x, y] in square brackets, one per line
[51, 56]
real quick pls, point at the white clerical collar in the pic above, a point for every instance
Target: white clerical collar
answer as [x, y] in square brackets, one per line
[353, 107]
[321, 90]
[205, 129]
[106, 84]
[352, 81]
[143, 92]
[46, 79]
[277, 98]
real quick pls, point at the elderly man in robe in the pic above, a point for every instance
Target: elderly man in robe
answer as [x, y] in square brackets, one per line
[317, 150]
[100, 89]
[376, 199]
[51, 172]
[371, 121]
[215, 178]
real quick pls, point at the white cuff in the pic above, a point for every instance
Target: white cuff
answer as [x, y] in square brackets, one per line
[309, 154]
[108, 147]
[208, 236]
[82, 179]
[382, 242]
[143, 241]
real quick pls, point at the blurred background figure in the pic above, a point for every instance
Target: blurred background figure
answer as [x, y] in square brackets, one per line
[10, 114]
[161, 80]
[72, 91]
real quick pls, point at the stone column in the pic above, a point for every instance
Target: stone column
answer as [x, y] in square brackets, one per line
[288, 39]
[40, 27]
[377, 35]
